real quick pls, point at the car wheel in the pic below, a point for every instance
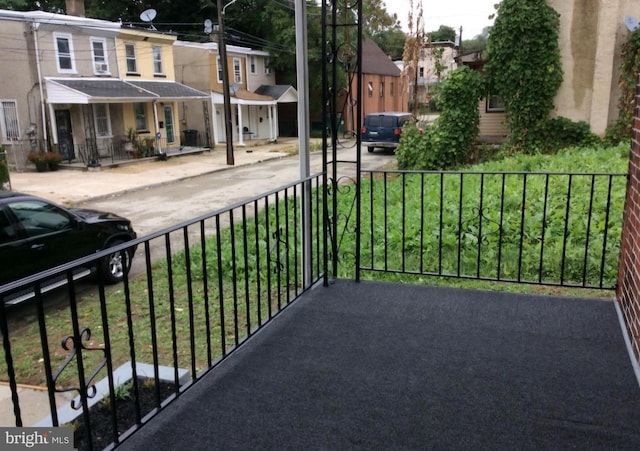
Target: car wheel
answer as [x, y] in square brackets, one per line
[370, 149]
[114, 265]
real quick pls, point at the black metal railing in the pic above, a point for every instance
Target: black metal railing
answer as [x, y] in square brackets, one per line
[540, 228]
[195, 292]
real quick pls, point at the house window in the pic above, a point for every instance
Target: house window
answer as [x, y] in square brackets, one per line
[421, 72]
[219, 67]
[9, 125]
[101, 117]
[382, 89]
[253, 64]
[495, 104]
[141, 117]
[391, 89]
[267, 69]
[130, 55]
[157, 60]
[99, 54]
[64, 52]
[370, 89]
[237, 71]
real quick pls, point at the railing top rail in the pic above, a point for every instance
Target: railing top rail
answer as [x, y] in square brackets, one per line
[463, 172]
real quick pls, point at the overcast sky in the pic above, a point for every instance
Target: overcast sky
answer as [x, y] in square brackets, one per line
[472, 15]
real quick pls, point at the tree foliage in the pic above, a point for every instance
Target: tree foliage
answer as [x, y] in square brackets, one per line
[449, 140]
[413, 47]
[629, 68]
[523, 65]
[442, 34]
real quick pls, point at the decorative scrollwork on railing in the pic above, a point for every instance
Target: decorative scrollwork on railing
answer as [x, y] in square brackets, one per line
[343, 186]
[480, 217]
[74, 343]
[280, 257]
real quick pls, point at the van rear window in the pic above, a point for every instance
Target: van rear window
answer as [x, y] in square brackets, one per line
[374, 121]
[388, 121]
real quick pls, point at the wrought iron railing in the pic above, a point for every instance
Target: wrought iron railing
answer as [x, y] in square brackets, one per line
[195, 292]
[540, 228]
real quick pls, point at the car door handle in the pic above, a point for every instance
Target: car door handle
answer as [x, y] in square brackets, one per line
[37, 247]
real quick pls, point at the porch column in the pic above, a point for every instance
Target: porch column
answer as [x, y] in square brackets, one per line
[275, 122]
[156, 126]
[214, 123]
[271, 138]
[240, 127]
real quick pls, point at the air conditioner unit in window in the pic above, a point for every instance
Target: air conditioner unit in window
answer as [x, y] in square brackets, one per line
[101, 67]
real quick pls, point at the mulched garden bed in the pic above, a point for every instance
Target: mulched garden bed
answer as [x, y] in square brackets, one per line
[101, 421]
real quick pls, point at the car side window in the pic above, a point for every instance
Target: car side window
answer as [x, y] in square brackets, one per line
[39, 218]
[8, 231]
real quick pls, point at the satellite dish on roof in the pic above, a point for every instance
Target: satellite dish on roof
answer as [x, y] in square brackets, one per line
[148, 15]
[631, 23]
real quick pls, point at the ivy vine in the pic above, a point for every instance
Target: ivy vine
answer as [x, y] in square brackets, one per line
[524, 66]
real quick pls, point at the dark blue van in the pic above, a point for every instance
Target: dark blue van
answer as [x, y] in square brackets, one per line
[383, 130]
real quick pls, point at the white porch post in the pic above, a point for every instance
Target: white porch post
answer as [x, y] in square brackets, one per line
[240, 126]
[276, 125]
[270, 117]
[214, 122]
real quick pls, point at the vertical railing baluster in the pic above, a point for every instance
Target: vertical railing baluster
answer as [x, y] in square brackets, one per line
[606, 232]
[371, 220]
[460, 223]
[234, 277]
[586, 244]
[287, 241]
[441, 223]
[566, 230]
[258, 272]
[152, 323]
[221, 296]
[44, 342]
[205, 289]
[523, 208]
[8, 357]
[544, 227]
[245, 254]
[404, 220]
[267, 239]
[192, 336]
[172, 311]
[386, 223]
[422, 219]
[481, 213]
[501, 226]
[277, 249]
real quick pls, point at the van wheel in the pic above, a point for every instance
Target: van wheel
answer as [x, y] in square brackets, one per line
[370, 149]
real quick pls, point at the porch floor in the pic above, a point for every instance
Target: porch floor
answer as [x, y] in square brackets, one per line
[387, 366]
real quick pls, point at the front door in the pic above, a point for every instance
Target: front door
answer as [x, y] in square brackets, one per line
[168, 124]
[65, 134]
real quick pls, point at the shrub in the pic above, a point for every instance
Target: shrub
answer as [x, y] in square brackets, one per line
[449, 140]
[561, 132]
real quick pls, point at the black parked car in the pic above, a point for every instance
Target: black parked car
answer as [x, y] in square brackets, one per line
[36, 235]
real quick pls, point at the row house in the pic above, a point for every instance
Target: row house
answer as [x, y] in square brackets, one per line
[86, 87]
[254, 95]
[383, 85]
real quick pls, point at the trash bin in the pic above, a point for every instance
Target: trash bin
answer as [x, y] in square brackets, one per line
[190, 138]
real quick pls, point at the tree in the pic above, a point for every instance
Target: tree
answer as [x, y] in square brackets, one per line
[391, 41]
[442, 34]
[523, 65]
[413, 46]
[477, 44]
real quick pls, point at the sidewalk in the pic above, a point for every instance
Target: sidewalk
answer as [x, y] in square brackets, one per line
[72, 187]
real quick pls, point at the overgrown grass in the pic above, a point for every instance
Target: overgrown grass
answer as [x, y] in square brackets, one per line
[252, 262]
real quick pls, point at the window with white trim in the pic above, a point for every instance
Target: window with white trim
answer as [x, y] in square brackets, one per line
[252, 66]
[130, 56]
[64, 52]
[9, 125]
[101, 117]
[157, 60]
[141, 116]
[219, 69]
[237, 71]
[99, 56]
[370, 88]
[267, 69]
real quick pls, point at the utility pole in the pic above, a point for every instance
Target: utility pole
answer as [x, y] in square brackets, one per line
[222, 50]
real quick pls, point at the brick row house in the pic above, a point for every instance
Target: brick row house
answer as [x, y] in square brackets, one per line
[97, 91]
[85, 86]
